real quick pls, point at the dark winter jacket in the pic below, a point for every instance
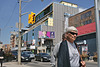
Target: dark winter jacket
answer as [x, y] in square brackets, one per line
[63, 55]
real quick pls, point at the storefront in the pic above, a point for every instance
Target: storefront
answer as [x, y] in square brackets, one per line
[87, 33]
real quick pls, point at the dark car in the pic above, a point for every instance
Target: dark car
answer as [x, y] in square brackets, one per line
[14, 54]
[42, 57]
[31, 55]
[24, 57]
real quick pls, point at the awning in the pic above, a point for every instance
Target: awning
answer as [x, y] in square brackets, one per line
[89, 28]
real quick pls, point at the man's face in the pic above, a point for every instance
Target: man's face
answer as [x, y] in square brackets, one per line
[71, 36]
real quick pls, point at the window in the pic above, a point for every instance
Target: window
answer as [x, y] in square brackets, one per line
[85, 15]
[43, 13]
[86, 22]
[82, 24]
[90, 21]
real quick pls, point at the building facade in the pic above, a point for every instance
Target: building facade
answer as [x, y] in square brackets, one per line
[85, 23]
[49, 26]
[6, 47]
[13, 39]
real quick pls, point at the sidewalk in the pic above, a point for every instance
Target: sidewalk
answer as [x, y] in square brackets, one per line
[13, 64]
[91, 61]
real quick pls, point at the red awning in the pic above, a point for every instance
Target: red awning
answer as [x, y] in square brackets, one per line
[89, 28]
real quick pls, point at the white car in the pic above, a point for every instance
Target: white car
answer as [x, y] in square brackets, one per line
[31, 55]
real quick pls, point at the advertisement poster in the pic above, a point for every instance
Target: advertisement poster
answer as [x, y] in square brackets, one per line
[46, 34]
[50, 21]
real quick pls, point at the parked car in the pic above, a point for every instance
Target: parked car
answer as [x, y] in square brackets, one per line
[24, 57]
[42, 57]
[31, 55]
[14, 54]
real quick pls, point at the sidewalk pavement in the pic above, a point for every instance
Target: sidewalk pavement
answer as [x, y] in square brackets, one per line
[91, 61]
[13, 64]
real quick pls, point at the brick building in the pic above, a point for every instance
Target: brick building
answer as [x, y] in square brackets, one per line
[85, 23]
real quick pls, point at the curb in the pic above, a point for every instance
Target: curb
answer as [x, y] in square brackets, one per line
[13, 64]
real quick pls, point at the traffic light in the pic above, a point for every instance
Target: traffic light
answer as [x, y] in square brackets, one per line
[31, 19]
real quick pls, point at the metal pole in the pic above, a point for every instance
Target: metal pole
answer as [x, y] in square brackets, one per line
[0, 33]
[19, 46]
[97, 29]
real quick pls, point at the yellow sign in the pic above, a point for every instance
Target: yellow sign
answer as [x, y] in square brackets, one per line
[50, 21]
[31, 18]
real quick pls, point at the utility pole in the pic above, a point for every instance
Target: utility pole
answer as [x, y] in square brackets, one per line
[97, 8]
[19, 45]
[19, 26]
[0, 33]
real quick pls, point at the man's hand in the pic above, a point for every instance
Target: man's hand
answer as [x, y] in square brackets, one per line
[83, 64]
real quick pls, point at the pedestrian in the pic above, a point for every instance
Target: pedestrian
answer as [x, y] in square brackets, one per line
[68, 54]
[55, 52]
[1, 56]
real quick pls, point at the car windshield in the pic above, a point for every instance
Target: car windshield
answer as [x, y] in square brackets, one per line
[44, 54]
[28, 52]
[14, 52]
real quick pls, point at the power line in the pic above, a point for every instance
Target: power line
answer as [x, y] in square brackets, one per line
[26, 3]
[10, 16]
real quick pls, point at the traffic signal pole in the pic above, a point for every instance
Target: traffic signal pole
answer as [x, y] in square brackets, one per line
[19, 45]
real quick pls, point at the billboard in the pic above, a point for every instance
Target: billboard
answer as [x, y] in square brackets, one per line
[46, 34]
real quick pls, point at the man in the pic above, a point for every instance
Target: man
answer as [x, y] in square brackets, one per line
[1, 56]
[55, 52]
[68, 55]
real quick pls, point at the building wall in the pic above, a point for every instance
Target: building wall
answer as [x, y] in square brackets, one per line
[6, 47]
[77, 20]
[36, 32]
[59, 20]
[87, 29]
[56, 11]
[12, 40]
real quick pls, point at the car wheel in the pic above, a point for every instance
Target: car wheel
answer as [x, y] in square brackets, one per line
[41, 59]
[29, 60]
